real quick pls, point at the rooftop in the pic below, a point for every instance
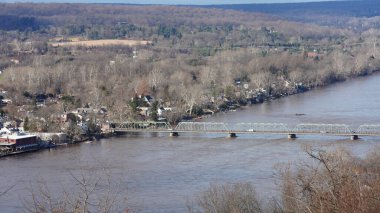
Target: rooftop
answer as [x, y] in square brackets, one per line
[15, 137]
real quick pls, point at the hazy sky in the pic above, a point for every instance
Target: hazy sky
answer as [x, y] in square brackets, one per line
[188, 2]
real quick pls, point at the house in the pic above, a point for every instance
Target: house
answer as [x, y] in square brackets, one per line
[10, 125]
[313, 55]
[162, 110]
[61, 118]
[105, 127]
[40, 98]
[144, 110]
[102, 110]
[15, 61]
[148, 99]
[5, 130]
[6, 101]
[84, 127]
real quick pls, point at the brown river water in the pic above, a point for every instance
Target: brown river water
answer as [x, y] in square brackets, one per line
[158, 173]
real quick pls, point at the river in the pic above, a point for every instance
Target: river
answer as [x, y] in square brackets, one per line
[158, 173]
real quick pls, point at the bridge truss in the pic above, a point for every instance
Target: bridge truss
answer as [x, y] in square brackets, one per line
[250, 128]
[201, 127]
[141, 126]
[368, 130]
[259, 128]
[338, 129]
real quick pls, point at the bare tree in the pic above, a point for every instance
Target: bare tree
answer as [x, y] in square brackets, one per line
[91, 191]
[335, 182]
[227, 198]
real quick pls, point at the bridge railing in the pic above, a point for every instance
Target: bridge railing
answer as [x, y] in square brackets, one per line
[368, 129]
[337, 129]
[141, 126]
[322, 128]
[259, 127]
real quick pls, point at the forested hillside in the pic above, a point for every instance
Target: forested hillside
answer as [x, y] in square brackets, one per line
[350, 8]
[351, 14]
[196, 59]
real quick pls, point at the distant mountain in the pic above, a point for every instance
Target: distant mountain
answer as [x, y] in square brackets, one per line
[359, 8]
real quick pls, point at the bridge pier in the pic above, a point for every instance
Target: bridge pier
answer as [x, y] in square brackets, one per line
[232, 135]
[174, 134]
[354, 137]
[292, 136]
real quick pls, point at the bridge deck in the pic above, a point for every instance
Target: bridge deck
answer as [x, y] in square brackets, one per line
[247, 128]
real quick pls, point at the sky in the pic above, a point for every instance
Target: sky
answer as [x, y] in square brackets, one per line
[177, 2]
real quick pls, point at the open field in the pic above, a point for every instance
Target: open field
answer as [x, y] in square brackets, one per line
[103, 42]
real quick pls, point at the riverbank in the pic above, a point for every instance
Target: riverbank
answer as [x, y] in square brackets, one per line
[167, 171]
[53, 140]
[262, 97]
[236, 107]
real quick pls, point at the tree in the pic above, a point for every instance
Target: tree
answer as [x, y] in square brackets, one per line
[155, 79]
[67, 102]
[226, 198]
[335, 182]
[26, 123]
[154, 113]
[74, 132]
[91, 190]
[191, 96]
[93, 127]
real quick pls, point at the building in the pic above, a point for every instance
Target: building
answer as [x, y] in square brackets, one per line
[18, 142]
[148, 99]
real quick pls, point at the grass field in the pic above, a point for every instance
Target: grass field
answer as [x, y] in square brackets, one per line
[105, 42]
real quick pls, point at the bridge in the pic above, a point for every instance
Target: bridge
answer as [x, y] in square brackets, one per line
[232, 129]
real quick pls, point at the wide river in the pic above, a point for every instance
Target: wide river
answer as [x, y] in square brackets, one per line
[158, 173]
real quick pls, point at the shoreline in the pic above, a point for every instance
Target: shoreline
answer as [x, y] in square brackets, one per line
[238, 106]
[266, 98]
[22, 152]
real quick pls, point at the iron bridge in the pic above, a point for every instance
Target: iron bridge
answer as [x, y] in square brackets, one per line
[248, 128]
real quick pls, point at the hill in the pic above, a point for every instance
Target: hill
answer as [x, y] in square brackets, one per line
[341, 14]
[337, 8]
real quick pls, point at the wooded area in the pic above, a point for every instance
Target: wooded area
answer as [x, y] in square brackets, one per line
[198, 59]
[183, 63]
